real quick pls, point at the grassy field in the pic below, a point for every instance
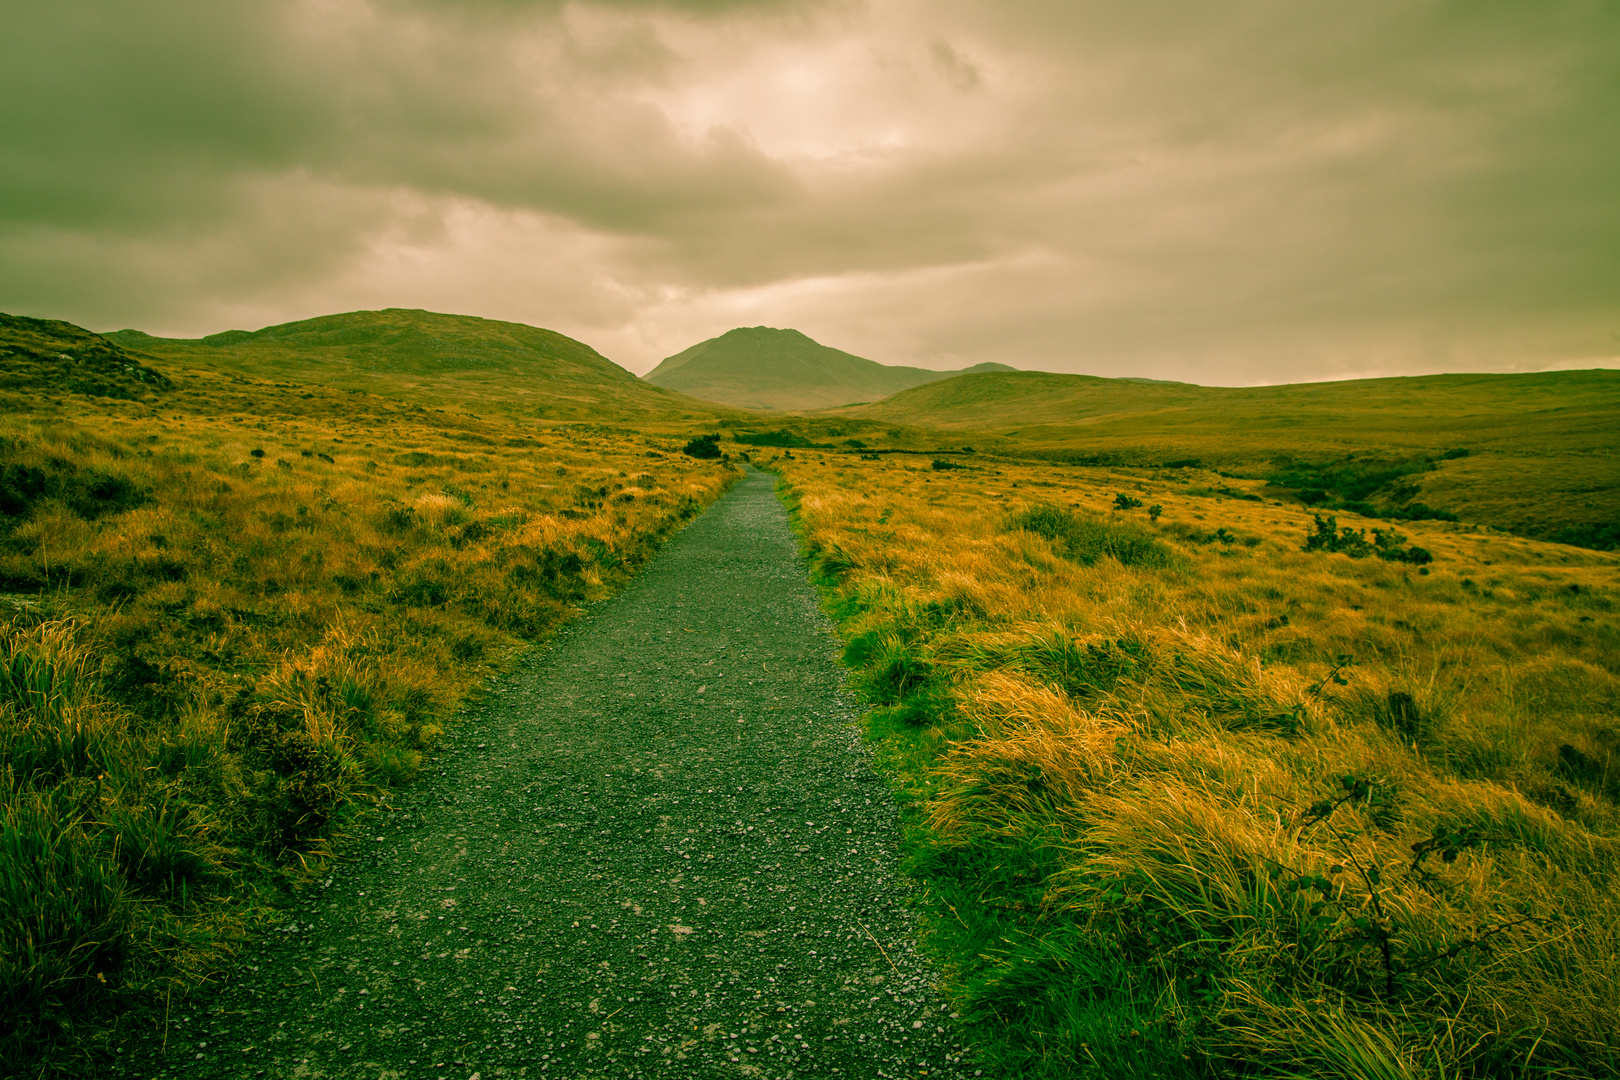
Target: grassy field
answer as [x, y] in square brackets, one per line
[233, 614]
[1541, 454]
[1185, 799]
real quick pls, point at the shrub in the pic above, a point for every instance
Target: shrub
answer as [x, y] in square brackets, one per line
[398, 519]
[154, 851]
[703, 446]
[941, 465]
[1123, 501]
[1329, 537]
[1602, 537]
[1416, 512]
[1390, 546]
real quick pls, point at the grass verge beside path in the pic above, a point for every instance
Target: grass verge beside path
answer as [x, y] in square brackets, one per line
[1185, 799]
[224, 637]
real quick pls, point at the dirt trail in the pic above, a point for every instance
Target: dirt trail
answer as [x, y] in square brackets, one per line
[657, 850]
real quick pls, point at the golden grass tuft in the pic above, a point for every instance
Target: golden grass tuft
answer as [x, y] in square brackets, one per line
[225, 634]
[1169, 813]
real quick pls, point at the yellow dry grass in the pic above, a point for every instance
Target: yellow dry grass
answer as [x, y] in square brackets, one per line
[233, 617]
[1112, 781]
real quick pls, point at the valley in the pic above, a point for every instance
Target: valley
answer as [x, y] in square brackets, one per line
[1225, 726]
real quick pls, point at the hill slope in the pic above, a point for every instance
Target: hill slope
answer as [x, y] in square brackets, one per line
[761, 367]
[1565, 408]
[1531, 453]
[448, 357]
[48, 356]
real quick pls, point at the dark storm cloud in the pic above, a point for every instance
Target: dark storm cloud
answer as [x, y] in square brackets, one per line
[1219, 191]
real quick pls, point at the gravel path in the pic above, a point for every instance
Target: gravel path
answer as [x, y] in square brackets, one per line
[658, 849]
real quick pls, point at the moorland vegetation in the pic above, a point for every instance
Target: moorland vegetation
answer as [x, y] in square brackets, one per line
[233, 614]
[1533, 454]
[1189, 795]
[1230, 737]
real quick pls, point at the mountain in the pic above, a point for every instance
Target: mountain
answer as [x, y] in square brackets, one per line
[764, 368]
[453, 357]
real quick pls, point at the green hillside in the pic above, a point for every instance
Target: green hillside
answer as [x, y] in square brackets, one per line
[764, 368]
[447, 358]
[46, 356]
[1534, 454]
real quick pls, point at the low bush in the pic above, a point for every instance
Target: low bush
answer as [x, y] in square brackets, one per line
[1387, 544]
[1600, 537]
[703, 446]
[1328, 536]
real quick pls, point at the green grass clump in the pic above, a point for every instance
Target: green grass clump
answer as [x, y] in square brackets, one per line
[1086, 538]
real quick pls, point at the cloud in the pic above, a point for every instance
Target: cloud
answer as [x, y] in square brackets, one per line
[1224, 192]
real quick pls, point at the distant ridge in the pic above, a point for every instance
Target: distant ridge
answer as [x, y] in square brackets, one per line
[761, 367]
[1046, 404]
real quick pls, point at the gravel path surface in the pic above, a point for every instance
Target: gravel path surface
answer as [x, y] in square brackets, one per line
[658, 849]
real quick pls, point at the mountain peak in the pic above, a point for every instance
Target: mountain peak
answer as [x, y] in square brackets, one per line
[765, 367]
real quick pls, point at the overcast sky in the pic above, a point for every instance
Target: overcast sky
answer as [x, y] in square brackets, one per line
[1227, 193]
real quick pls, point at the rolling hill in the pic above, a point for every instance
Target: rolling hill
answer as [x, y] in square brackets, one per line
[764, 368]
[1565, 408]
[1531, 453]
[447, 358]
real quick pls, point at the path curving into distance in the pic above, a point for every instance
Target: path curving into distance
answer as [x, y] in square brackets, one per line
[657, 849]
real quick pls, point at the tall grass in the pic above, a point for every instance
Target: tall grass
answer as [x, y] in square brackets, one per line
[1237, 808]
[219, 654]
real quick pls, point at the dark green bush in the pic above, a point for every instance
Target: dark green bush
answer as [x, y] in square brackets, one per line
[21, 486]
[154, 852]
[1390, 546]
[398, 519]
[703, 446]
[1601, 537]
[1327, 536]
[1123, 501]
